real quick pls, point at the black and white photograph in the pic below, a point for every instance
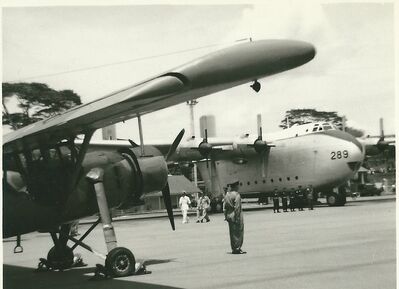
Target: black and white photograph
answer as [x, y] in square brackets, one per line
[199, 144]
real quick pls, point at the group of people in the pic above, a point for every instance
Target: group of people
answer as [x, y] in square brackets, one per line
[232, 213]
[233, 210]
[203, 207]
[297, 200]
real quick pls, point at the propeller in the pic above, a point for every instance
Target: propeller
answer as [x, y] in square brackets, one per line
[166, 190]
[261, 146]
[174, 145]
[205, 148]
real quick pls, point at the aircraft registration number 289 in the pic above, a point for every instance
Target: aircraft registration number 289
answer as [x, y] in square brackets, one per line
[339, 155]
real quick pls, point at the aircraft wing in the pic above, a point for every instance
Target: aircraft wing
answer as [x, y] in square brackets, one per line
[220, 70]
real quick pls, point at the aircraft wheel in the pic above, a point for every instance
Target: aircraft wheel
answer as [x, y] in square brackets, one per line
[219, 207]
[341, 200]
[120, 262]
[332, 199]
[60, 259]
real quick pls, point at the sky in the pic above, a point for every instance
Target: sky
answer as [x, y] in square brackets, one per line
[352, 73]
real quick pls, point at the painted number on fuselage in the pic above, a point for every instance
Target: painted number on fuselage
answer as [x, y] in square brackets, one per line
[339, 155]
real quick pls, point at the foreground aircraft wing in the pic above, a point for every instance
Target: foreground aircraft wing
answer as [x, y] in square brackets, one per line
[217, 71]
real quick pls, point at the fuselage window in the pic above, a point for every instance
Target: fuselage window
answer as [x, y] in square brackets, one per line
[264, 181]
[256, 182]
[272, 180]
[296, 177]
[280, 179]
[248, 183]
[288, 178]
[241, 184]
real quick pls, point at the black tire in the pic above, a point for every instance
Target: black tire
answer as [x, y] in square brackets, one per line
[341, 200]
[219, 207]
[332, 199]
[120, 262]
[60, 259]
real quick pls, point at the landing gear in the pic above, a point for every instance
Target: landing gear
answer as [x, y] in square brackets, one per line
[120, 262]
[332, 199]
[60, 259]
[336, 199]
[219, 207]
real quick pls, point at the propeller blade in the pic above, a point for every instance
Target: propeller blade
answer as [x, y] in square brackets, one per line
[175, 144]
[382, 136]
[168, 204]
[259, 125]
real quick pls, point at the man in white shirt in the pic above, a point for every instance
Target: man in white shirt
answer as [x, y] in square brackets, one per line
[184, 203]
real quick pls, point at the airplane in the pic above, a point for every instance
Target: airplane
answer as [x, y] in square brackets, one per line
[316, 155]
[49, 182]
[379, 143]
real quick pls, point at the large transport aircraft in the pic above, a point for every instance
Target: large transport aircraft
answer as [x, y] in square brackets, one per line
[316, 155]
[49, 182]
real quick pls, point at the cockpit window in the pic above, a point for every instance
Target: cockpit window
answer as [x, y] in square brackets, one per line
[327, 127]
[320, 128]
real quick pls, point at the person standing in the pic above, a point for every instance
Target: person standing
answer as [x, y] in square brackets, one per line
[299, 196]
[292, 201]
[203, 207]
[276, 204]
[309, 196]
[233, 215]
[184, 204]
[284, 200]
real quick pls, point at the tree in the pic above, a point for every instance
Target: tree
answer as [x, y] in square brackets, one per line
[36, 101]
[306, 115]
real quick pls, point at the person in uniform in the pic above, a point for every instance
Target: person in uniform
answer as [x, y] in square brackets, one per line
[284, 200]
[309, 197]
[276, 202]
[203, 207]
[299, 196]
[184, 203]
[234, 217]
[292, 201]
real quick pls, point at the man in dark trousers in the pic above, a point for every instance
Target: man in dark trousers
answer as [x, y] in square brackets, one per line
[284, 200]
[299, 199]
[292, 201]
[233, 215]
[309, 197]
[276, 205]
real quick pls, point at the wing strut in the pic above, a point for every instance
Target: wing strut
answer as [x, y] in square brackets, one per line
[80, 157]
[141, 135]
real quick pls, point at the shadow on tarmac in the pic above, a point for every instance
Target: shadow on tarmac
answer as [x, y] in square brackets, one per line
[157, 261]
[16, 277]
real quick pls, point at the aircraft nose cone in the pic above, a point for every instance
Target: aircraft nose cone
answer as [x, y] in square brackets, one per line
[355, 153]
[296, 53]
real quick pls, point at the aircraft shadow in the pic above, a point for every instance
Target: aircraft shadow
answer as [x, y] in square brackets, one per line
[17, 277]
[157, 261]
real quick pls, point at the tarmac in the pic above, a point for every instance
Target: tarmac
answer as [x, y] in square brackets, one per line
[330, 247]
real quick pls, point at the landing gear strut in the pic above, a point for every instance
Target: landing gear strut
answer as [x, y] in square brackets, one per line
[60, 257]
[120, 262]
